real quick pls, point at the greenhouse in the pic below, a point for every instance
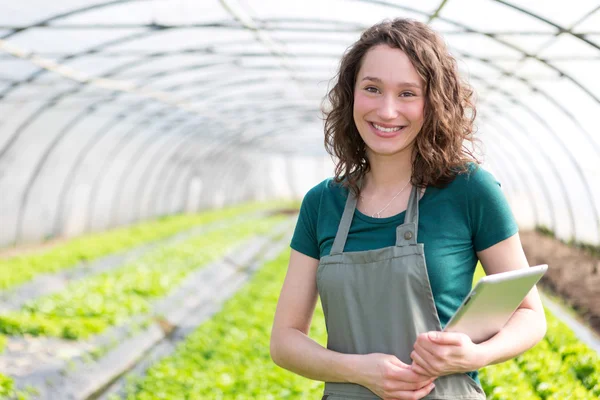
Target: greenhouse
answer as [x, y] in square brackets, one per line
[154, 156]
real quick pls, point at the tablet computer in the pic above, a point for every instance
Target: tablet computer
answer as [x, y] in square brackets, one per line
[492, 302]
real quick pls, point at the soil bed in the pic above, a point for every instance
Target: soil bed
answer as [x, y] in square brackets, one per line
[573, 274]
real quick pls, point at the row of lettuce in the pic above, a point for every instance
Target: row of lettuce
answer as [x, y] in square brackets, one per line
[17, 270]
[93, 304]
[227, 357]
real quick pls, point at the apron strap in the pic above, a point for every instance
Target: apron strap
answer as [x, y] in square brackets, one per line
[344, 227]
[406, 234]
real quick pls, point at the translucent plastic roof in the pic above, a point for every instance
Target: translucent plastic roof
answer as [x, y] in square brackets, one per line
[254, 73]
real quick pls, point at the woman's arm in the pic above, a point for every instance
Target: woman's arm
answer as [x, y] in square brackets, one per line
[443, 353]
[292, 349]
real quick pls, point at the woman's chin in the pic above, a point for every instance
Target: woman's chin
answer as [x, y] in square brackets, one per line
[387, 149]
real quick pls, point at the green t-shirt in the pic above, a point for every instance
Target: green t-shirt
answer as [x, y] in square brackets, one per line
[468, 215]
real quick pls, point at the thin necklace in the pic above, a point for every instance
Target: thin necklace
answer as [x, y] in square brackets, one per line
[378, 214]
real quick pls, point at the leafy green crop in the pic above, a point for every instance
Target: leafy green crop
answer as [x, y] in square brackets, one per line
[91, 305]
[228, 356]
[19, 269]
[583, 361]
[506, 382]
[8, 390]
[552, 378]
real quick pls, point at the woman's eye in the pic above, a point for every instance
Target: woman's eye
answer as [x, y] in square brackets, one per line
[371, 89]
[406, 94]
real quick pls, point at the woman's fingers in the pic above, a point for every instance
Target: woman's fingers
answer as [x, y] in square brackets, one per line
[421, 365]
[411, 394]
[408, 380]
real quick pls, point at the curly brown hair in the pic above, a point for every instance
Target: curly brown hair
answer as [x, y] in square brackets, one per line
[439, 153]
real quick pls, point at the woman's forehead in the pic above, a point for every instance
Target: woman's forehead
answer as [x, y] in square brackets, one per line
[389, 66]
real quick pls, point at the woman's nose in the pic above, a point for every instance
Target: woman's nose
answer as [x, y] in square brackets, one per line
[388, 108]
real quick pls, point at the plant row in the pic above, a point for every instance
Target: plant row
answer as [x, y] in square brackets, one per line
[559, 367]
[20, 269]
[583, 361]
[91, 305]
[228, 358]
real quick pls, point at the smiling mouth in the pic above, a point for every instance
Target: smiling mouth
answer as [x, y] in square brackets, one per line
[384, 129]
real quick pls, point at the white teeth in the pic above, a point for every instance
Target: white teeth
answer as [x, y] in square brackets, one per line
[381, 128]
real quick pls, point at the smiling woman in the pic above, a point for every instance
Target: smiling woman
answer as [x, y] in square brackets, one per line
[392, 265]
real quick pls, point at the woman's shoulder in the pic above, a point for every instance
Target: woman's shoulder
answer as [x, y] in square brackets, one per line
[323, 196]
[478, 187]
[327, 187]
[474, 178]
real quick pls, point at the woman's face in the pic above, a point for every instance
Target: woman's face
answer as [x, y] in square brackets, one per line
[388, 101]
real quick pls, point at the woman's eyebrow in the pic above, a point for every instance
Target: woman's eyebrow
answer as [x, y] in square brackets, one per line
[403, 84]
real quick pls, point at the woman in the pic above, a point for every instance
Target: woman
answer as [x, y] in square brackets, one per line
[391, 243]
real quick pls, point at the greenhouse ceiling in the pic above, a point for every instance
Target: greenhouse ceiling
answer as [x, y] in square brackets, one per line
[251, 75]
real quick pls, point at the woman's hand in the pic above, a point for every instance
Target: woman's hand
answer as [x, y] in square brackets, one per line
[391, 379]
[443, 353]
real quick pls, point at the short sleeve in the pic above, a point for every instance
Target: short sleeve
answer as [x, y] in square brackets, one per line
[491, 218]
[304, 239]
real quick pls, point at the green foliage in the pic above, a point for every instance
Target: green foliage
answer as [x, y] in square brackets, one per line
[3, 341]
[544, 230]
[19, 269]
[506, 382]
[91, 305]
[552, 378]
[582, 361]
[8, 390]
[228, 356]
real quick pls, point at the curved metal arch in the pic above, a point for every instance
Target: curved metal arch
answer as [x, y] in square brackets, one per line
[144, 157]
[94, 139]
[558, 27]
[41, 161]
[545, 155]
[125, 172]
[451, 22]
[50, 103]
[38, 168]
[521, 176]
[76, 11]
[166, 186]
[569, 154]
[120, 146]
[545, 95]
[169, 177]
[538, 176]
[169, 180]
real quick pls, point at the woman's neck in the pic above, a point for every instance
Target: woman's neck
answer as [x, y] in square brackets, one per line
[388, 173]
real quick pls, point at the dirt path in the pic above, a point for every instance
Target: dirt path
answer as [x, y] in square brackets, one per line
[573, 273]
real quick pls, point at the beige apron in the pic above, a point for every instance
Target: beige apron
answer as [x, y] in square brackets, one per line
[378, 301]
